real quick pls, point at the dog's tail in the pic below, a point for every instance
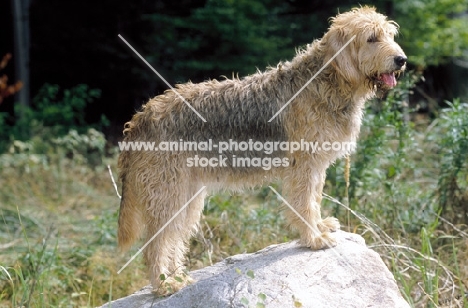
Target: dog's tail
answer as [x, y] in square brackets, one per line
[130, 219]
[130, 216]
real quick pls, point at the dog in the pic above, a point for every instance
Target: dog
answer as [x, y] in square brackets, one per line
[356, 59]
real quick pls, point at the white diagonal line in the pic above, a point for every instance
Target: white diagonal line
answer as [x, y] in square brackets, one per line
[309, 225]
[160, 230]
[313, 77]
[162, 78]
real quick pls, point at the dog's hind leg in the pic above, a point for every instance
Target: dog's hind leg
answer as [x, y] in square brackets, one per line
[303, 191]
[164, 254]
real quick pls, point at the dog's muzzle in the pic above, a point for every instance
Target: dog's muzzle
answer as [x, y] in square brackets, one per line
[388, 79]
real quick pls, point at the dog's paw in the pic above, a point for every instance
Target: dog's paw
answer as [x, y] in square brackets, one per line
[323, 241]
[329, 224]
[170, 285]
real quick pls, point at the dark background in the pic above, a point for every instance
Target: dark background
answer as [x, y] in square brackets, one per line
[76, 42]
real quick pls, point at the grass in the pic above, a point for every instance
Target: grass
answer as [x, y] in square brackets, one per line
[57, 229]
[407, 197]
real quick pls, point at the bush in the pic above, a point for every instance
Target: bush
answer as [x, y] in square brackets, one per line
[433, 31]
[451, 136]
[54, 114]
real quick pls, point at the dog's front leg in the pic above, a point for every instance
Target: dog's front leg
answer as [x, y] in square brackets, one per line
[303, 191]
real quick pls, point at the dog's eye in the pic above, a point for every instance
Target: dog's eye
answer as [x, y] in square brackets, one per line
[372, 39]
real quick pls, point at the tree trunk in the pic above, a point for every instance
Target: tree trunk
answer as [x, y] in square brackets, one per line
[21, 52]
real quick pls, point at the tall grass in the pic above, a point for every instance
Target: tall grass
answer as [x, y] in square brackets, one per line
[57, 229]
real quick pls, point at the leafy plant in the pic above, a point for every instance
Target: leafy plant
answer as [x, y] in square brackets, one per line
[453, 152]
[60, 110]
[54, 113]
[433, 31]
[88, 147]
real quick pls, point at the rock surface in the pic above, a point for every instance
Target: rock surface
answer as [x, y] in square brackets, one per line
[286, 275]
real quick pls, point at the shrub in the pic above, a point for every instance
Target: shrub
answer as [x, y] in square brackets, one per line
[54, 114]
[451, 137]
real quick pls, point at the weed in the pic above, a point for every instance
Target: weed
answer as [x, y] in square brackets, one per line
[452, 188]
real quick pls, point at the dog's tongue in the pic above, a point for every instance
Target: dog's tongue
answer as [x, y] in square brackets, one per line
[389, 79]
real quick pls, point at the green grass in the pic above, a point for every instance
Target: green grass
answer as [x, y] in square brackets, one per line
[57, 235]
[407, 197]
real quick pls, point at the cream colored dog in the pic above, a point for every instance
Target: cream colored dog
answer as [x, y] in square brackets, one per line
[156, 184]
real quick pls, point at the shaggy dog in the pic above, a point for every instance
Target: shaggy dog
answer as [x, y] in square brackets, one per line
[157, 184]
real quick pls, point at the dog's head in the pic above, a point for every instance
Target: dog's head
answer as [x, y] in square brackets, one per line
[371, 56]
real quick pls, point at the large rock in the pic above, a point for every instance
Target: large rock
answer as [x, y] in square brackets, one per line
[286, 275]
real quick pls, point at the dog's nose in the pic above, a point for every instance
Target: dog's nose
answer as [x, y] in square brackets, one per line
[400, 61]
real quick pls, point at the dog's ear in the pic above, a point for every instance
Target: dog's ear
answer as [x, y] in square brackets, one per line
[345, 61]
